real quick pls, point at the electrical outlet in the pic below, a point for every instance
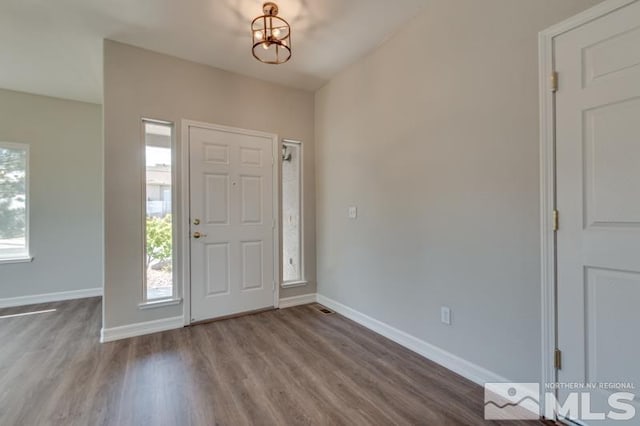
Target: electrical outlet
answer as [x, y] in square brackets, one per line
[445, 315]
[353, 212]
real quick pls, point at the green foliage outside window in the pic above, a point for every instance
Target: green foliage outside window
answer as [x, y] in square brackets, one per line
[159, 241]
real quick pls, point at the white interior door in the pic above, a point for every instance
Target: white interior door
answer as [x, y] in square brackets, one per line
[232, 200]
[598, 190]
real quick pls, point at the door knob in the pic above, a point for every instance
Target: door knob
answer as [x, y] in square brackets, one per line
[196, 221]
[197, 235]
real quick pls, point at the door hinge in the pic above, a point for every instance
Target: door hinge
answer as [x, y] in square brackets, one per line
[556, 220]
[557, 359]
[554, 81]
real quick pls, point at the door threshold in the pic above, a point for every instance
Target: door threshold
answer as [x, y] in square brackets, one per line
[232, 316]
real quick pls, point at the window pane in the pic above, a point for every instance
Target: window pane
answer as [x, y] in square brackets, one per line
[159, 224]
[291, 211]
[13, 201]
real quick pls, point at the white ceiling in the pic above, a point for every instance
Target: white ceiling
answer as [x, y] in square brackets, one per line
[54, 47]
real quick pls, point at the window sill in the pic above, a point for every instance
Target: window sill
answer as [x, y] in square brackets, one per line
[160, 303]
[290, 284]
[17, 259]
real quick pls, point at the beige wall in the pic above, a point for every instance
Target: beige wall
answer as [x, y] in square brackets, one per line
[434, 136]
[140, 83]
[65, 140]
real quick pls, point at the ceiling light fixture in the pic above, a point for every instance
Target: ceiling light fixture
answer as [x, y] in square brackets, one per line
[271, 36]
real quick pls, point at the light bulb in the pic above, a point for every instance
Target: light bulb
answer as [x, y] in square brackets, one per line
[258, 34]
[276, 32]
[265, 46]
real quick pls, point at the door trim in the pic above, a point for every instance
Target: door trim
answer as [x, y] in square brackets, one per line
[548, 177]
[186, 204]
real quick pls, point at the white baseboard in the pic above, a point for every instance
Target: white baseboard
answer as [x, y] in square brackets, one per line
[304, 299]
[50, 297]
[467, 369]
[141, 328]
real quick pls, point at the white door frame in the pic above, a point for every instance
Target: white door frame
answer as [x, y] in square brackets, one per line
[303, 278]
[186, 204]
[548, 176]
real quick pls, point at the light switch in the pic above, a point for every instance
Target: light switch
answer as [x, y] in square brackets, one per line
[353, 212]
[445, 315]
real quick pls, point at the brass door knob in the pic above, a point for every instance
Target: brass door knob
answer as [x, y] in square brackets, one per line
[198, 235]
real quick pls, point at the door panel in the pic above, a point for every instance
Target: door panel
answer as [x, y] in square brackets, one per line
[217, 199]
[598, 190]
[251, 199]
[232, 209]
[612, 192]
[611, 300]
[217, 269]
[617, 54]
[252, 271]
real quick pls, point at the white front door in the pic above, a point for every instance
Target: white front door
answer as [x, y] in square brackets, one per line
[232, 226]
[598, 199]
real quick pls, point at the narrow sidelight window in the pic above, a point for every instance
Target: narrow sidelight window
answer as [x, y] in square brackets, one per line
[159, 224]
[14, 202]
[292, 244]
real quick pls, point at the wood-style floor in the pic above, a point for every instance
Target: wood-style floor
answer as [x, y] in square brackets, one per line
[293, 366]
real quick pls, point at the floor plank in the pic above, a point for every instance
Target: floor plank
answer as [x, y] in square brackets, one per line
[285, 367]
